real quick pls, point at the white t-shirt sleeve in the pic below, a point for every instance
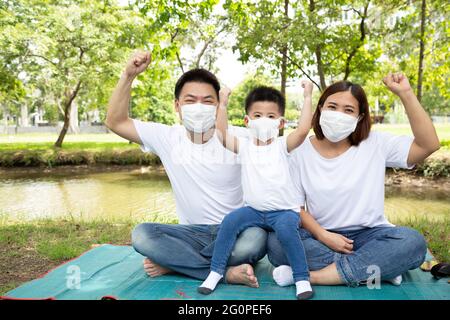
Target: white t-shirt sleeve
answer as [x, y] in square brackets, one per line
[153, 135]
[395, 149]
[297, 180]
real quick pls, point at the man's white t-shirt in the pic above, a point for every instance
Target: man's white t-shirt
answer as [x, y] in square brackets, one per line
[205, 178]
[266, 180]
[347, 192]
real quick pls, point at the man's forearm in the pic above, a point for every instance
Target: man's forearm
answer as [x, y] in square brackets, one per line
[119, 102]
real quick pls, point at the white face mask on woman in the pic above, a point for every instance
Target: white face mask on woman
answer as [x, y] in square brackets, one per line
[337, 126]
[264, 128]
[198, 117]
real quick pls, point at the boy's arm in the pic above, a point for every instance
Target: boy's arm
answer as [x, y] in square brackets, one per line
[296, 138]
[229, 141]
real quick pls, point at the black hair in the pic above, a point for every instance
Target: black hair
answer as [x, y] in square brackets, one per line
[197, 75]
[264, 93]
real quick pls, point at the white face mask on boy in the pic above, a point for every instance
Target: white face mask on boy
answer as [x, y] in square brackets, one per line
[264, 128]
[198, 117]
[337, 126]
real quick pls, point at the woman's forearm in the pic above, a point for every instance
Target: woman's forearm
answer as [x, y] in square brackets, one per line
[311, 225]
[421, 125]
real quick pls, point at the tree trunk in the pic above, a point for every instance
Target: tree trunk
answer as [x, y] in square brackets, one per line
[284, 55]
[318, 54]
[422, 50]
[320, 71]
[73, 119]
[24, 115]
[70, 96]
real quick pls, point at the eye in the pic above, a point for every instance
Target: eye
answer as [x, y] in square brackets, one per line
[257, 116]
[331, 107]
[349, 110]
[271, 116]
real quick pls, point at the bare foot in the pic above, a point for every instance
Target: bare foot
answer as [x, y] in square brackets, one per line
[242, 274]
[154, 270]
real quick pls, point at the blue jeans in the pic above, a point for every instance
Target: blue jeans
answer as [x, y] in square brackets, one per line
[187, 249]
[394, 250]
[285, 223]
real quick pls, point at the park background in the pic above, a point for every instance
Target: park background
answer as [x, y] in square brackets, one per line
[67, 183]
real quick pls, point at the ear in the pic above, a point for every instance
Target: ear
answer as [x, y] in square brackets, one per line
[361, 116]
[282, 123]
[177, 105]
[246, 121]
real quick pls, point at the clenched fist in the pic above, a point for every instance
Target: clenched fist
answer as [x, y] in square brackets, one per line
[397, 82]
[224, 94]
[138, 63]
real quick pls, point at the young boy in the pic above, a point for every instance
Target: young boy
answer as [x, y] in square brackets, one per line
[269, 194]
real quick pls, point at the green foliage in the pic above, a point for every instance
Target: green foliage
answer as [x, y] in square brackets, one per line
[236, 105]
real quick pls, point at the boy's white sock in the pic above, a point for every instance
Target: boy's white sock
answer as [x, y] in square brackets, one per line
[210, 283]
[283, 276]
[304, 290]
[396, 281]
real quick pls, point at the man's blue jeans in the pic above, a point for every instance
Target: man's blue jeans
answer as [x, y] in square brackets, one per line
[394, 250]
[187, 249]
[285, 224]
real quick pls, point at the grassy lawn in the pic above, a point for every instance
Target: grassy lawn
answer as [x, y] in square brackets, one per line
[28, 250]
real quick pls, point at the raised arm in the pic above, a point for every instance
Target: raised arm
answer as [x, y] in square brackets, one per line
[426, 140]
[117, 119]
[228, 140]
[296, 137]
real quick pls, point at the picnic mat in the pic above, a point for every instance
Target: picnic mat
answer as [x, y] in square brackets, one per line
[116, 272]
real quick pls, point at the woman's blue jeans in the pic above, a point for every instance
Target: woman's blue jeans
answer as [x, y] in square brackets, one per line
[394, 250]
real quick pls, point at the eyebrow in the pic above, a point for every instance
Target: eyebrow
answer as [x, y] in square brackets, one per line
[346, 106]
[193, 96]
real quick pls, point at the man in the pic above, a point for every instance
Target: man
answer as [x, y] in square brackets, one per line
[205, 179]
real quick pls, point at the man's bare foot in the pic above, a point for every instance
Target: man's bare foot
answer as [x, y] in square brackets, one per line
[242, 274]
[154, 270]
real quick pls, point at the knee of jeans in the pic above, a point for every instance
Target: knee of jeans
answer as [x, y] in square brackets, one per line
[414, 246]
[275, 252]
[250, 245]
[141, 238]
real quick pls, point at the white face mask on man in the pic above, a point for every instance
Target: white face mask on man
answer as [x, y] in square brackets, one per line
[198, 117]
[337, 126]
[264, 128]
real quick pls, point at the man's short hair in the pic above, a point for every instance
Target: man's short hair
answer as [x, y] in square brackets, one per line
[197, 75]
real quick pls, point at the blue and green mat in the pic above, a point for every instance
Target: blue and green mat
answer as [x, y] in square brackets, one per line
[116, 272]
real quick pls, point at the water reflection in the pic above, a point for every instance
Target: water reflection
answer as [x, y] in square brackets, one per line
[144, 194]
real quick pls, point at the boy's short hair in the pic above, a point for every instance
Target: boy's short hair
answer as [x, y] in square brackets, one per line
[264, 93]
[197, 75]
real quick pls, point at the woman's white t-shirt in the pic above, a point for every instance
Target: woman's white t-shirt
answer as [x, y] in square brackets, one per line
[266, 180]
[347, 192]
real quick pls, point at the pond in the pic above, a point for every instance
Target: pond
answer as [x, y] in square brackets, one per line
[145, 194]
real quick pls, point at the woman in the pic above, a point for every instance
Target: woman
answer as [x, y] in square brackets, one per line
[340, 171]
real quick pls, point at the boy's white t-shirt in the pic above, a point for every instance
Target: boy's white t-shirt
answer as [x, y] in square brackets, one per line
[205, 178]
[266, 179]
[347, 192]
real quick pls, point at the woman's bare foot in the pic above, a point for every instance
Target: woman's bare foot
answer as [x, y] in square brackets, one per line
[242, 274]
[154, 270]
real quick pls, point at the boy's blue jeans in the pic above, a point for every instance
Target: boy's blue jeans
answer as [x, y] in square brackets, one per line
[285, 223]
[187, 249]
[393, 250]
